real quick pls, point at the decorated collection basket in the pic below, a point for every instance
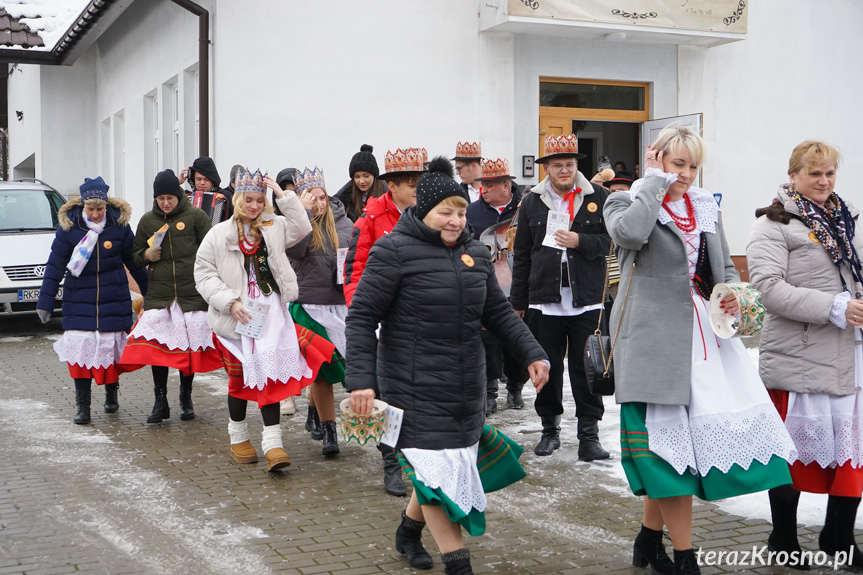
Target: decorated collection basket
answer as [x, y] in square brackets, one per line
[750, 317]
[362, 428]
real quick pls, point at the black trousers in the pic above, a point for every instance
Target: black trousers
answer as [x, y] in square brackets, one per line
[557, 335]
[499, 361]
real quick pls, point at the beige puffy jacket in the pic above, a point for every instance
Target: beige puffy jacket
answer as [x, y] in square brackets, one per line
[800, 349]
[220, 276]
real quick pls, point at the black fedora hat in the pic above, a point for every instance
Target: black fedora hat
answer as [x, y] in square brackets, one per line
[621, 177]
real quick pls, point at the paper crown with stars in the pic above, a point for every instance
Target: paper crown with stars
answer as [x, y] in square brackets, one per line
[563, 146]
[251, 182]
[496, 170]
[308, 179]
[468, 152]
[407, 161]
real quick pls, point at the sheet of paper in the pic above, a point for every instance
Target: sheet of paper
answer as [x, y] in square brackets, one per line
[340, 265]
[157, 238]
[255, 328]
[557, 221]
[392, 425]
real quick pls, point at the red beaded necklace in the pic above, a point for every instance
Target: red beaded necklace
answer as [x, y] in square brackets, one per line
[248, 251]
[684, 223]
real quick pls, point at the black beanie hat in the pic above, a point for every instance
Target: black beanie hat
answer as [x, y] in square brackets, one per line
[364, 161]
[286, 175]
[166, 183]
[436, 185]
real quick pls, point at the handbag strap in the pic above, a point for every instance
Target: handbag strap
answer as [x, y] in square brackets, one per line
[607, 362]
[604, 289]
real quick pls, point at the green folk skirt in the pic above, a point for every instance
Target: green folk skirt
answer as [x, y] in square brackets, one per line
[334, 371]
[650, 475]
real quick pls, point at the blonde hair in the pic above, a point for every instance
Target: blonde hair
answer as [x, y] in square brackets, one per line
[324, 220]
[239, 203]
[95, 202]
[812, 153]
[677, 137]
[456, 202]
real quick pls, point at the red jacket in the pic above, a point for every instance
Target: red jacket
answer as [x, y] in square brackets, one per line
[379, 218]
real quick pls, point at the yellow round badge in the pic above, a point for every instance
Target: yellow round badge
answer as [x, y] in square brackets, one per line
[468, 261]
[813, 237]
[592, 207]
[107, 245]
[181, 226]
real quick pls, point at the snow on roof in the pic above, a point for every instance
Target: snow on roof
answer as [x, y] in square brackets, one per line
[48, 18]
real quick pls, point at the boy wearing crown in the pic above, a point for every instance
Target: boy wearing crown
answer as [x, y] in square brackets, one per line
[561, 278]
[467, 165]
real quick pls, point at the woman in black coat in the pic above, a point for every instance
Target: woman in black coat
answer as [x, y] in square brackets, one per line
[432, 288]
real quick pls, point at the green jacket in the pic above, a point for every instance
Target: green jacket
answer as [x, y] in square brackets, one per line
[172, 277]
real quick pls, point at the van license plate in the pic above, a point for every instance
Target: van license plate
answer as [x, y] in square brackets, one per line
[25, 295]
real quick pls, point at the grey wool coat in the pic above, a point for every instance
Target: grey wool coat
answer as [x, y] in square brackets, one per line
[653, 353]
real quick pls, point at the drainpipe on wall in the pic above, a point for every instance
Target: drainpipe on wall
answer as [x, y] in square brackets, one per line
[203, 73]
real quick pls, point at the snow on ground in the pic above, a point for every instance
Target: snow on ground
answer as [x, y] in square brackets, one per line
[48, 18]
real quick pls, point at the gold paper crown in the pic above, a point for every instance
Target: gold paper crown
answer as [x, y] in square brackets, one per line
[309, 179]
[563, 144]
[250, 182]
[468, 150]
[407, 160]
[498, 168]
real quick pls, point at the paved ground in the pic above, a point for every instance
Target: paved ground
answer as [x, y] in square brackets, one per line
[122, 496]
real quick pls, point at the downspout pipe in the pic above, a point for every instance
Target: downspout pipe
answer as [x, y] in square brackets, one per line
[203, 72]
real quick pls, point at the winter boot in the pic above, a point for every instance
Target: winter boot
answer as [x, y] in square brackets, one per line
[331, 439]
[514, 399]
[82, 400]
[187, 411]
[392, 472]
[783, 511]
[288, 406]
[271, 444]
[649, 549]
[685, 563]
[160, 407]
[589, 448]
[838, 532]
[313, 424]
[111, 404]
[408, 542]
[550, 435]
[457, 562]
[241, 448]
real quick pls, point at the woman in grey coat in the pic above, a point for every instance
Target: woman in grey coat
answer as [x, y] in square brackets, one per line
[803, 257]
[695, 419]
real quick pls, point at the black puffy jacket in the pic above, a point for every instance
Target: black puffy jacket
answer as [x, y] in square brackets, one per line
[432, 301]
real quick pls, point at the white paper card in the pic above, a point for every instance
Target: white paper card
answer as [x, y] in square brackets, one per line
[392, 425]
[557, 221]
[158, 238]
[255, 328]
[340, 265]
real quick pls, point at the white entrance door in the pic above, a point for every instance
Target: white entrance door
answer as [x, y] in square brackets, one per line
[650, 130]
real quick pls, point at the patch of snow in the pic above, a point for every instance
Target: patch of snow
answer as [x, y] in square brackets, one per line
[48, 18]
[14, 339]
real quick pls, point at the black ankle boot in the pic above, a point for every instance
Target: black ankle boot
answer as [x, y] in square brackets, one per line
[331, 438]
[313, 424]
[457, 562]
[550, 439]
[393, 482]
[82, 400]
[685, 563]
[649, 549]
[187, 411]
[589, 448]
[408, 543]
[783, 512]
[514, 399]
[160, 407]
[838, 532]
[111, 404]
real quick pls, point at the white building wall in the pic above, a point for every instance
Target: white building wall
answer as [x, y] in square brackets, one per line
[795, 78]
[25, 95]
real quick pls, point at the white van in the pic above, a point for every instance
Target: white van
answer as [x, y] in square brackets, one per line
[28, 221]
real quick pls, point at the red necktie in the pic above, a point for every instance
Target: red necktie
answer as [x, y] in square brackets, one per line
[570, 198]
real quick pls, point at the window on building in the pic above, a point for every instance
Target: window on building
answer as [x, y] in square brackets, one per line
[190, 113]
[107, 162]
[119, 149]
[152, 139]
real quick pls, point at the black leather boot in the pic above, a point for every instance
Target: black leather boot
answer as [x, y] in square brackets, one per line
[409, 543]
[111, 404]
[313, 424]
[82, 400]
[457, 562]
[514, 399]
[783, 511]
[392, 472]
[331, 439]
[187, 410]
[589, 448]
[685, 563]
[649, 549]
[550, 439]
[161, 410]
[838, 532]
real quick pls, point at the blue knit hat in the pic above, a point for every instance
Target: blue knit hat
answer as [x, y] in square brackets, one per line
[95, 188]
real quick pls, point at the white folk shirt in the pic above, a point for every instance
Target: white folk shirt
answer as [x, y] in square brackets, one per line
[473, 193]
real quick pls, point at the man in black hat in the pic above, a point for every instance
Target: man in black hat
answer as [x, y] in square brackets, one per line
[560, 277]
[621, 181]
[204, 178]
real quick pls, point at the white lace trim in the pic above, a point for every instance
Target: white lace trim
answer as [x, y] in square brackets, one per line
[175, 329]
[453, 471]
[826, 428]
[706, 210]
[837, 310]
[91, 349]
[332, 318]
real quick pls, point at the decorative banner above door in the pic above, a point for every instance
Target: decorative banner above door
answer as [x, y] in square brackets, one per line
[703, 15]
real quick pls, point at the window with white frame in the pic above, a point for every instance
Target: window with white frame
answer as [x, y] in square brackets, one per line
[107, 162]
[119, 149]
[152, 138]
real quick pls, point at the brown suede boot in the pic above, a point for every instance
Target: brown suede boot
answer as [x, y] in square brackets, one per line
[277, 459]
[244, 452]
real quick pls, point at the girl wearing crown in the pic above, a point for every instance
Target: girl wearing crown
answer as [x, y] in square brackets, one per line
[320, 306]
[244, 275]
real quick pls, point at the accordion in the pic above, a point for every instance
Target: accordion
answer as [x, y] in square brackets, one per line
[214, 204]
